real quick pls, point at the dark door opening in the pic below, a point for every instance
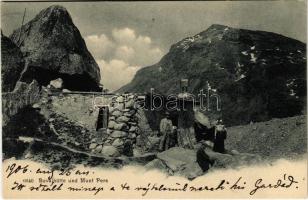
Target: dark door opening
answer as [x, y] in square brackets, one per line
[103, 115]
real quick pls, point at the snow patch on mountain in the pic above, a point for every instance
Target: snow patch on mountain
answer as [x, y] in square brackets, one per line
[186, 43]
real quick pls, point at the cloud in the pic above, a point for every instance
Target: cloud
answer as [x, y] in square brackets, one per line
[125, 53]
[116, 73]
[124, 36]
[121, 54]
[99, 45]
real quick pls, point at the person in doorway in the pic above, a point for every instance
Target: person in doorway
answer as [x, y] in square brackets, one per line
[166, 129]
[219, 137]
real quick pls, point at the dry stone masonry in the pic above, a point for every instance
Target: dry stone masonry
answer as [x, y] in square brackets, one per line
[120, 135]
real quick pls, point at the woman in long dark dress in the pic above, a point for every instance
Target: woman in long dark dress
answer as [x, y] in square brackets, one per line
[220, 136]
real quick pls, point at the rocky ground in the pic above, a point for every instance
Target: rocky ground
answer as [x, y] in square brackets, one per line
[45, 136]
[277, 138]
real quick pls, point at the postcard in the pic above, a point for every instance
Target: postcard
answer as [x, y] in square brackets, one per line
[153, 99]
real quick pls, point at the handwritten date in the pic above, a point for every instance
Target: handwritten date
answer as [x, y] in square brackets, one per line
[14, 169]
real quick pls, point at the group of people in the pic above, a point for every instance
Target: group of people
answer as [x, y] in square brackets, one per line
[215, 133]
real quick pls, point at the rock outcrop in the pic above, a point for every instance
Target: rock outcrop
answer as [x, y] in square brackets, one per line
[12, 64]
[184, 162]
[54, 48]
[277, 138]
[22, 96]
[258, 75]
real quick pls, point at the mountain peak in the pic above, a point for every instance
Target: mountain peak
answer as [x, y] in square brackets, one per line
[54, 12]
[217, 26]
[54, 48]
[56, 8]
[257, 74]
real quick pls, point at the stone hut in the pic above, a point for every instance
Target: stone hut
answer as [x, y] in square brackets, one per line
[117, 127]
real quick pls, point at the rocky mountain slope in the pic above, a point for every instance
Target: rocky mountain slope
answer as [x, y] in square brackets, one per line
[277, 138]
[12, 64]
[53, 47]
[258, 75]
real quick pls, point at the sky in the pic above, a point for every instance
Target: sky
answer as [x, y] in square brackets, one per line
[126, 36]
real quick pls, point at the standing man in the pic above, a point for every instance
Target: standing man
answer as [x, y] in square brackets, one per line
[166, 128]
[219, 137]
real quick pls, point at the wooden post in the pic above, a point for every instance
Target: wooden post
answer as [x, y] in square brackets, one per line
[22, 23]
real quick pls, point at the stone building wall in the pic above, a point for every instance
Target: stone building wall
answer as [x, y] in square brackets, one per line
[80, 108]
[120, 135]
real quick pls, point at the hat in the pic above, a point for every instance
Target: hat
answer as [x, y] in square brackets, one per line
[219, 122]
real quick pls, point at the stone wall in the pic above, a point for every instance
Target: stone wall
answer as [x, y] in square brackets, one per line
[79, 108]
[126, 120]
[120, 136]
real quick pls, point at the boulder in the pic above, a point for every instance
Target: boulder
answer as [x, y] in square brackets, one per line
[28, 155]
[57, 83]
[174, 164]
[66, 91]
[123, 119]
[119, 106]
[23, 95]
[118, 134]
[144, 158]
[132, 111]
[120, 126]
[111, 124]
[127, 114]
[12, 64]
[129, 97]
[116, 113]
[111, 109]
[117, 142]
[92, 146]
[132, 135]
[36, 105]
[202, 119]
[132, 123]
[143, 122]
[77, 143]
[53, 47]
[178, 153]
[110, 151]
[230, 161]
[154, 142]
[133, 129]
[177, 157]
[234, 152]
[111, 118]
[99, 148]
[120, 99]
[191, 171]
[130, 104]
[139, 141]
[180, 161]
[137, 152]
[156, 164]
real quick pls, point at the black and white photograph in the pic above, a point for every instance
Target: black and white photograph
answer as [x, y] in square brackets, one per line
[184, 89]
